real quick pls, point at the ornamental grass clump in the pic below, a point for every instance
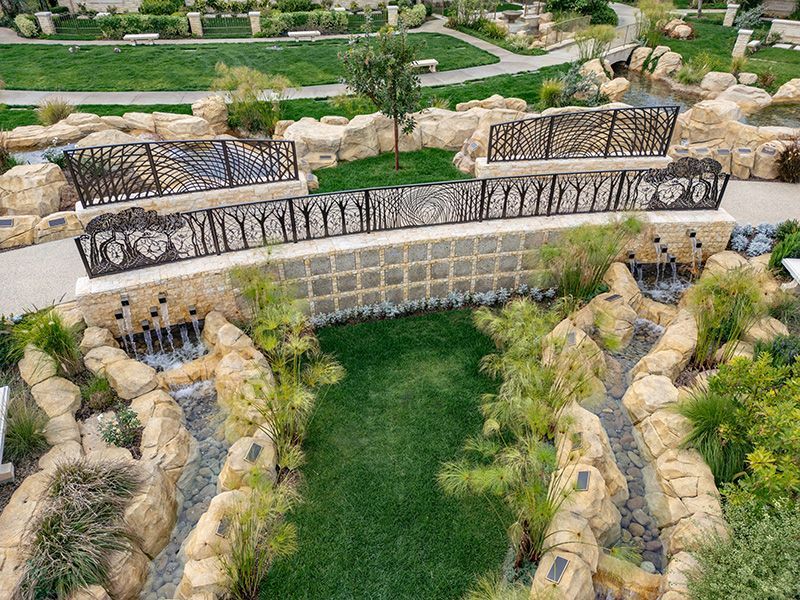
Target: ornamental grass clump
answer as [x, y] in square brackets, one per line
[578, 260]
[25, 424]
[47, 331]
[254, 98]
[80, 525]
[725, 305]
[53, 110]
[789, 163]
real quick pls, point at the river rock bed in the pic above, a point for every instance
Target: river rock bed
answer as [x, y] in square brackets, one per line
[197, 486]
[638, 526]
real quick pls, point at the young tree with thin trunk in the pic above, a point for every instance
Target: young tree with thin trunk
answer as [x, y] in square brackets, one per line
[379, 68]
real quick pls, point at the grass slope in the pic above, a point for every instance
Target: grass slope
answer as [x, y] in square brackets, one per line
[422, 166]
[191, 67]
[374, 523]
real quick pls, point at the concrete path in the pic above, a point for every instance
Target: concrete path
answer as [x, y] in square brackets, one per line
[37, 276]
[508, 64]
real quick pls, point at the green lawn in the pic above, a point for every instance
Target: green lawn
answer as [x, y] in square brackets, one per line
[191, 67]
[423, 166]
[716, 40]
[374, 524]
[501, 43]
[18, 116]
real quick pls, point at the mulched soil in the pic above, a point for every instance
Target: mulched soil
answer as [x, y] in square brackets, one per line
[21, 471]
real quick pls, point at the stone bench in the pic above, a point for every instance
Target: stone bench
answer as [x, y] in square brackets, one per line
[7, 469]
[304, 36]
[141, 38]
[426, 63]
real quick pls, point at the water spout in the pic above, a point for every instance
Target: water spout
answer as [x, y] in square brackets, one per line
[162, 303]
[657, 246]
[195, 323]
[126, 317]
[674, 265]
[129, 348]
[157, 327]
[148, 338]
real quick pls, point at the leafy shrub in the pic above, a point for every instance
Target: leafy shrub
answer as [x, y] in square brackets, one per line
[411, 18]
[749, 19]
[295, 5]
[693, 71]
[6, 160]
[114, 27]
[787, 310]
[24, 429]
[551, 93]
[9, 351]
[577, 262]
[55, 156]
[788, 247]
[26, 26]
[52, 110]
[738, 64]
[245, 87]
[783, 350]
[760, 244]
[122, 430]
[97, 394]
[786, 228]
[739, 243]
[789, 163]
[160, 7]
[758, 561]
[80, 525]
[491, 29]
[325, 21]
[599, 10]
[725, 305]
[46, 331]
[258, 534]
[767, 78]
[593, 42]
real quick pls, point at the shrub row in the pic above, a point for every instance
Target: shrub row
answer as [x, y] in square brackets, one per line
[324, 21]
[114, 27]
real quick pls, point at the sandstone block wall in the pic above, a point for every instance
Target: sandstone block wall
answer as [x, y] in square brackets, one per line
[392, 266]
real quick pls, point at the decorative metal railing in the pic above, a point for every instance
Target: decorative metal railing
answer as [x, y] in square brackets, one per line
[124, 172]
[135, 238]
[218, 26]
[618, 132]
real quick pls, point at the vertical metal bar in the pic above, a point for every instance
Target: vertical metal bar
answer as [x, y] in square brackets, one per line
[668, 139]
[89, 271]
[722, 191]
[77, 183]
[226, 163]
[622, 175]
[368, 211]
[552, 191]
[212, 225]
[153, 169]
[290, 201]
[296, 173]
[610, 133]
[483, 207]
[549, 137]
[490, 149]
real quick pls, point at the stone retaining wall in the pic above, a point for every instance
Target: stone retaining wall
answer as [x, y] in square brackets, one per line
[391, 266]
[568, 165]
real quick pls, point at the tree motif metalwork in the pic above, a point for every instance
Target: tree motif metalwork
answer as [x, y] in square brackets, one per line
[619, 132]
[125, 172]
[136, 238]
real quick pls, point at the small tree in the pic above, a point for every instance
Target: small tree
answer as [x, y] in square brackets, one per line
[380, 69]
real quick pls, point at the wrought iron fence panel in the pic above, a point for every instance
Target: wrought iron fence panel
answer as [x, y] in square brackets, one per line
[135, 238]
[125, 172]
[618, 132]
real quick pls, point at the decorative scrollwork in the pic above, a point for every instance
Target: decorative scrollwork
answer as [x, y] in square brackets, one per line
[617, 132]
[123, 172]
[137, 238]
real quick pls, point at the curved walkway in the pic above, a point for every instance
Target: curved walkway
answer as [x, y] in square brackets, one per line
[36, 276]
[509, 64]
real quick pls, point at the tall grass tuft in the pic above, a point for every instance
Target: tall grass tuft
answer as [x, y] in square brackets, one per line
[52, 110]
[254, 97]
[78, 529]
[716, 432]
[725, 306]
[788, 247]
[258, 534]
[577, 261]
[551, 93]
[47, 331]
[25, 425]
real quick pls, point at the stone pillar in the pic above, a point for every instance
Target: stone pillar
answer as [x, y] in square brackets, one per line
[392, 17]
[255, 21]
[740, 47]
[45, 20]
[730, 15]
[195, 24]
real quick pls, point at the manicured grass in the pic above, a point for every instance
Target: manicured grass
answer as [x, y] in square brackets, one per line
[18, 116]
[191, 67]
[423, 166]
[374, 523]
[716, 40]
[501, 43]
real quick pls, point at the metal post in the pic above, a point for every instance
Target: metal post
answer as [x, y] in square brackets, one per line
[610, 133]
[549, 138]
[619, 188]
[290, 201]
[89, 271]
[153, 169]
[552, 191]
[722, 191]
[226, 163]
[368, 210]
[483, 208]
[213, 227]
[78, 185]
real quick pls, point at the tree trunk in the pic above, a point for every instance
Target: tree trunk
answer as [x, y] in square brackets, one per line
[396, 146]
[699, 8]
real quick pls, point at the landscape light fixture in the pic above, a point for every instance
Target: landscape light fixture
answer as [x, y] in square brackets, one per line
[222, 528]
[557, 570]
[253, 452]
[583, 481]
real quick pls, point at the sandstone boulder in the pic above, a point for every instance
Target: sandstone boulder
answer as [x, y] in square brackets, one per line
[615, 89]
[157, 403]
[153, 511]
[593, 504]
[71, 315]
[717, 81]
[673, 350]
[657, 312]
[86, 122]
[750, 99]
[94, 337]
[128, 571]
[714, 112]
[682, 566]
[668, 64]
[36, 366]
[649, 394]
[166, 442]
[69, 450]
[571, 533]
[334, 120]
[724, 261]
[578, 359]
[638, 58]
[204, 541]
[21, 508]
[211, 326]
[61, 429]
[360, 139]
[20, 233]
[201, 577]
[99, 359]
[57, 396]
[408, 142]
[130, 378]
[765, 329]
[626, 580]
[576, 583]
[788, 93]
[663, 430]
[93, 592]
[749, 79]
[237, 464]
[678, 29]
[596, 71]
[114, 121]
[106, 138]
[170, 126]
[214, 111]
[620, 281]
[31, 189]
[613, 320]
[140, 122]
[691, 533]
[57, 226]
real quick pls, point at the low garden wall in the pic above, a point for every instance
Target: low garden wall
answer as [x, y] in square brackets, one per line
[393, 266]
